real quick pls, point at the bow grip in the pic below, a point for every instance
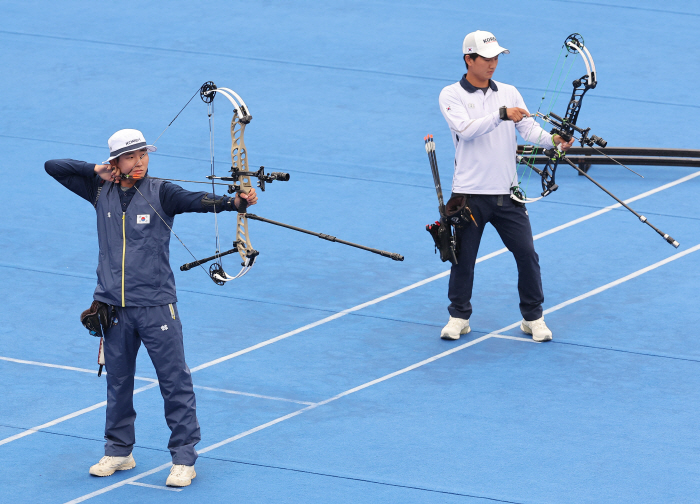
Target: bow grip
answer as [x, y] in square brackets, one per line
[243, 206]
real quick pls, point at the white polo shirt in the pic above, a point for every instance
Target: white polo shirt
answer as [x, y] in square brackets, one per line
[485, 145]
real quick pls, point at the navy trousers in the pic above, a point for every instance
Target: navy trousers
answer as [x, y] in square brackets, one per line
[161, 332]
[513, 226]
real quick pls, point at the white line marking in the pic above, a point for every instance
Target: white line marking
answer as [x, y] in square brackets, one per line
[68, 368]
[516, 338]
[120, 484]
[495, 334]
[66, 417]
[418, 284]
[248, 394]
[623, 279]
[318, 322]
[157, 487]
[440, 275]
[44, 364]
[153, 380]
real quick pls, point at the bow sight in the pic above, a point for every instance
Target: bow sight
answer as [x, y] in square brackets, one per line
[236, 174]
[561, 130]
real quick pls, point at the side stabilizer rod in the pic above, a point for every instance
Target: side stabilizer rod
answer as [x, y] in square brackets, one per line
[194, 264]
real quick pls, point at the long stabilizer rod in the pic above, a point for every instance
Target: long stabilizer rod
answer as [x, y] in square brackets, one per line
[643, 219]
[391, 255]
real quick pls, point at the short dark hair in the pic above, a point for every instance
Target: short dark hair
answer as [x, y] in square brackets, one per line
[473, 56]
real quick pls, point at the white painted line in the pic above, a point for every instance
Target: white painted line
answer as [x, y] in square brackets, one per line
[318, 323]
[157, 487]
[418, 284]
[120, 484]
[153, 380]
[342, 394]
[44, 364]
[438, 276]
[66, 417]
[527, 339]
[68, 368]
[248, 394]
[623, 279]
[495, 334]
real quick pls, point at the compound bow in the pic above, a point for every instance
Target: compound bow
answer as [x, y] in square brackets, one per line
[567, 129]
[239, 182]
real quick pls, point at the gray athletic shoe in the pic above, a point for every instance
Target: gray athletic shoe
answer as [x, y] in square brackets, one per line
[455, 328]
[109, 465]
[181, 476]
[539, 330]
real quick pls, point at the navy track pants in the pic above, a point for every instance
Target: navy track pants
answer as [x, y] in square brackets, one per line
[513, 226]
[160, 330]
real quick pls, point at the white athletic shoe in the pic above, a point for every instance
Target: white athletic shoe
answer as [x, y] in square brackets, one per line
[181, 476]
[455, 328]
[538, 329]
[108, 465]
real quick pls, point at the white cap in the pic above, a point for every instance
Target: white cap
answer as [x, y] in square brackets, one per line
[482, 43]
[127, 140]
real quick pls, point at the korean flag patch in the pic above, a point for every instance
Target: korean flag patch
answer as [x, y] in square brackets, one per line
[143, 219]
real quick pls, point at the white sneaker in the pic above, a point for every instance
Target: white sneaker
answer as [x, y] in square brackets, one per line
[181, 476]
[108, 465]
[538, 329]
[454, 328]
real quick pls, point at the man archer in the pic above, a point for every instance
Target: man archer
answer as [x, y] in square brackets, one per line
[136, 283]
[482, 115]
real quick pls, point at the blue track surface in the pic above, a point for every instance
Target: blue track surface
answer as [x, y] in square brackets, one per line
[366, 405]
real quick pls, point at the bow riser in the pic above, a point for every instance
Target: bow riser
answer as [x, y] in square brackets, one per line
[239, 163]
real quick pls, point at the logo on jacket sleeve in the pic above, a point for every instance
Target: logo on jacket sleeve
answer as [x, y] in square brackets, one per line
[143, 219]
[164, 327]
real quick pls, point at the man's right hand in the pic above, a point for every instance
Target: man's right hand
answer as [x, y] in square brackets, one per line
[516, 114]
[108, 172]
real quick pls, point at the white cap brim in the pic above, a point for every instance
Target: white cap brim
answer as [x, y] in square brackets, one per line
[492, 52]
[130, 148]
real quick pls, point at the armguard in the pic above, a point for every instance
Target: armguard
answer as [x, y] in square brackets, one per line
[222, 204]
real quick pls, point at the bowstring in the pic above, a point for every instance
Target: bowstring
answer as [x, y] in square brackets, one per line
[171, 229]
[559, 84]
[210, 113]
[149, 203]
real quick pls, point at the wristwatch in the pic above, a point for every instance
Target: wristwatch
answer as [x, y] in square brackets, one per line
[503, 113]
